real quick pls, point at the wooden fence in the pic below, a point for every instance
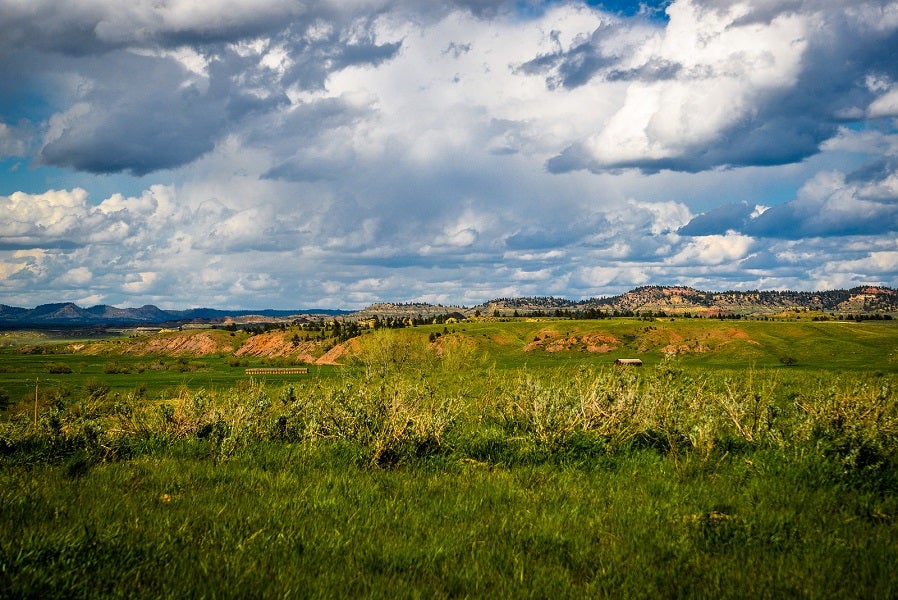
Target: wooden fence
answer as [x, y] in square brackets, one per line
[277, 371]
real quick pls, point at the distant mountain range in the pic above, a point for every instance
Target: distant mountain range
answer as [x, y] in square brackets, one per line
[69, 314]
[670, 300]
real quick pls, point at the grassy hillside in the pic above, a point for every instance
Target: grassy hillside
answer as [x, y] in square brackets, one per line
[868, 346]
[159, 364]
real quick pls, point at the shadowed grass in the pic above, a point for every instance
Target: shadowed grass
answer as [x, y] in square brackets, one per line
[288, 519]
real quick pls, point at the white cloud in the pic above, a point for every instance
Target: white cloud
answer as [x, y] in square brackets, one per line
[880, 263]
[618, 277]
[713, 250]
[140, 283]
[90, 300]
[254, 283]
[885, 105]
[48, 215]
[65, 217]
[830, 205]
[12, 141]
[538, 275]
[10, 268]
[78, 277]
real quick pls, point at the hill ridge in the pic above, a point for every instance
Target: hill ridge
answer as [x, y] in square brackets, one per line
[667, 299]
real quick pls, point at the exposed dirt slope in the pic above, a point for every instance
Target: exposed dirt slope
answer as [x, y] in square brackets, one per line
[550, 341]
[180, 343]
[668, 341]
[279, 344]
[273, 344]
[336, 354]
[672, 342]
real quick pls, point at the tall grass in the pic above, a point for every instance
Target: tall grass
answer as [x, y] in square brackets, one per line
[406, 403]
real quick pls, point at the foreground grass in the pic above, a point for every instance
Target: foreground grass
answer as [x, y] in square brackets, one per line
[422, 475]
[286, 520]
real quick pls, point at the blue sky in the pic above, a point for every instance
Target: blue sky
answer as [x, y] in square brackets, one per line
[290, 154]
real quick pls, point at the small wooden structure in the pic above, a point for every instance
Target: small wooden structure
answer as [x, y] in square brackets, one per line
[277, 371]
[633, 362]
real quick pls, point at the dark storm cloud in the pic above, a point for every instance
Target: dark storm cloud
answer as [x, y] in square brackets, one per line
[574, 67]
[719, 220]
[578, 65]
[796, 220]
[82, 28]
[315, 59]
[51, 27]
[119, 110]
[481, 8]
[831, 205]
[139, 117]
[880, 169]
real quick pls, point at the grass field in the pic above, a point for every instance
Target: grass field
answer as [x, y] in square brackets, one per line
[502, 460]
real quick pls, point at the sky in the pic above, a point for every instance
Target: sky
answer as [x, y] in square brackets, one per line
[337, 153]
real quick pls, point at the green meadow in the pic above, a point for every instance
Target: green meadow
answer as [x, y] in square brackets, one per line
[473, 459]
[836, 346]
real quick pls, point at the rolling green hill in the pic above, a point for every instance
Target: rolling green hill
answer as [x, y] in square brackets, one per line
[210, 358]
[820, 345]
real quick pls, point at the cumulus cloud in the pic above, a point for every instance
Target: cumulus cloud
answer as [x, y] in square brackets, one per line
[715, 84]
[140, 283]
[829, 205]
[64, 218]
[713, 250]
[60, 240]
[79, 277]
[720, 220]
[724, 84]
[45, 219]
[154, 86]
[91, 26]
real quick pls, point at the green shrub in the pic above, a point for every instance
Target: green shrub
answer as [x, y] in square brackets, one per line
[95, 389]
[115, 368]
